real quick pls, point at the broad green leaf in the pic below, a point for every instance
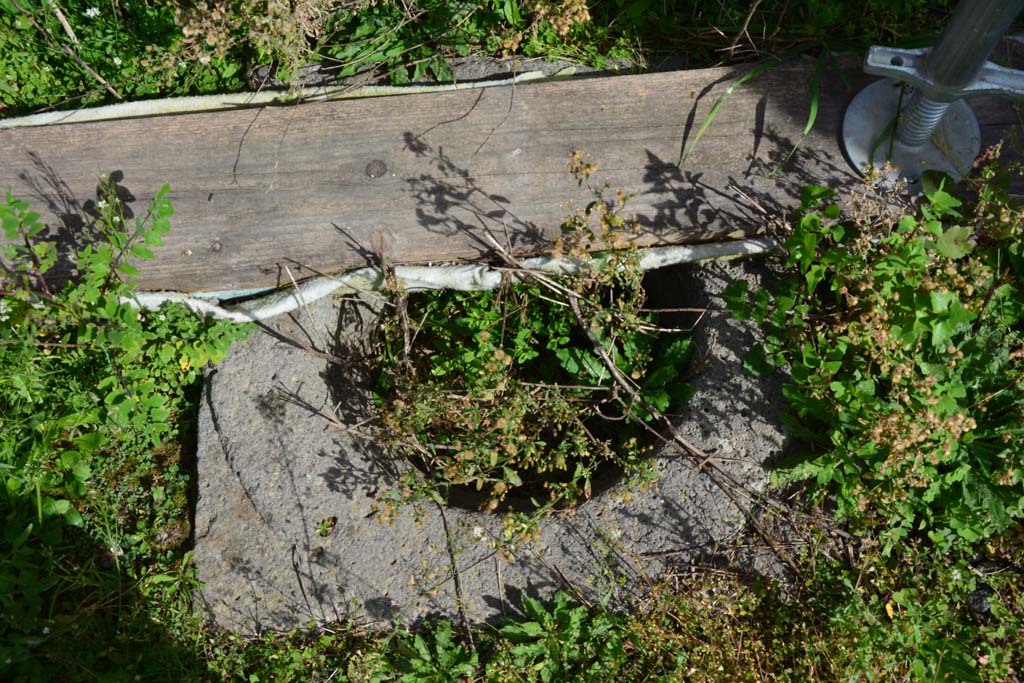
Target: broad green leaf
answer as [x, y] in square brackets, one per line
[757, 362]
[956, 242]
[943, 203]
[735, 298]
[523, 632]
[139, 251]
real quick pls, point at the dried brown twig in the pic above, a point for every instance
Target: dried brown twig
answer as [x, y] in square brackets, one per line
[743, 31]
[64, 23]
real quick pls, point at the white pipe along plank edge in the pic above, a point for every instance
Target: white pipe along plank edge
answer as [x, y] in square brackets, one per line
[464, 277]
[274, 302]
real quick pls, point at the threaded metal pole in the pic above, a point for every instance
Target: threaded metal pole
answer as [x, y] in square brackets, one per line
[919, 119]
[954, 64]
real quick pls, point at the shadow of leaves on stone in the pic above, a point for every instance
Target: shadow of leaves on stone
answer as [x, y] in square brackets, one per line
[360, 463]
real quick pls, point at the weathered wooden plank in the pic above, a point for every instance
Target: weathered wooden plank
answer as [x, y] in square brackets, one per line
[262, 195]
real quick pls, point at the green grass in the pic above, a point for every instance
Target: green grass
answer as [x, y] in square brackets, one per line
[96, 399]
[71, 53]
[97, 403]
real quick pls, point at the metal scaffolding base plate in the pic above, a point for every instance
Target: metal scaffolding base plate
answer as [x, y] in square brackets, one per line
[869, 137]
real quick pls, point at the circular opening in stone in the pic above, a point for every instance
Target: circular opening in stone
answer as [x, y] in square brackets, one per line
[463, 335]
[523, 498]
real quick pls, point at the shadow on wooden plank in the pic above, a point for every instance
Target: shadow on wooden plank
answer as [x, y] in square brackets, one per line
[263, 196]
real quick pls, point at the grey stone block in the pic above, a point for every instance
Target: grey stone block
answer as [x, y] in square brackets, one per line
[271, 467]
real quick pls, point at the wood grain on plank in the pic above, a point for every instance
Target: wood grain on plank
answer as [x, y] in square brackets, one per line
[267, 194]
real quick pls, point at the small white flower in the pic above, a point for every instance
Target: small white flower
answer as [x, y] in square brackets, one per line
[92, 12]
[46, 630]
[101, 204]
[478, 531]
[117, 61]
[957, 575]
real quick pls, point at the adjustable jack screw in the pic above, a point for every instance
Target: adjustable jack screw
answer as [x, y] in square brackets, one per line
[916, 119]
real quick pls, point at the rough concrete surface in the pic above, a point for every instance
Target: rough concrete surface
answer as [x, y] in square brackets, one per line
[271, 468]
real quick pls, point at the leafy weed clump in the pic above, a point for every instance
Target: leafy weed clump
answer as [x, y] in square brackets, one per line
[903, 333]
[80, 52]
[505, 393]
[904, 336]
[93, 396]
